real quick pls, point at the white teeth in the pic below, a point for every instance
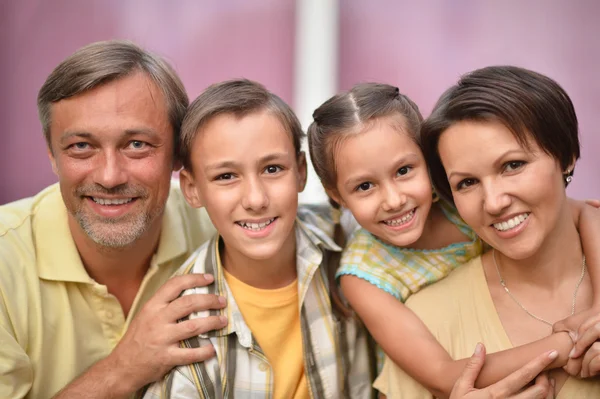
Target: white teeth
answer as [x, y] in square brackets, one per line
[511, 223]
[119, 201]
[400, 221]
[256, 226]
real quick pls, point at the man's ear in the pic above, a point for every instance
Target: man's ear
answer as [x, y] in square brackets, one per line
[189, 189]
[302, 171]
[335, 195]
[52, 161]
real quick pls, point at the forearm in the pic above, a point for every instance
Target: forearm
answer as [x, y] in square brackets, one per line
[101, 381]
[500, 364]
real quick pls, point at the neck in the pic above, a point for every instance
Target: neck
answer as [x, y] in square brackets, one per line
[275, 272]
[121, 270]
[560, 257]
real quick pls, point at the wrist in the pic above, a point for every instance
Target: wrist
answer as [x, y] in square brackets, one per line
[117, 377]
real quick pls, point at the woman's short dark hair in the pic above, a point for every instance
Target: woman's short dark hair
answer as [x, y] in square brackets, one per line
[533, 106]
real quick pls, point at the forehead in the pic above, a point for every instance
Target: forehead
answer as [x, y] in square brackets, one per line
[132, 102]
[227, 135]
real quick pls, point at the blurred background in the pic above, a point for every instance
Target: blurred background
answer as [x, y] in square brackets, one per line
[303, 50]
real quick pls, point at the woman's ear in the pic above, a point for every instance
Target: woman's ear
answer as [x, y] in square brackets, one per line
[189, 189]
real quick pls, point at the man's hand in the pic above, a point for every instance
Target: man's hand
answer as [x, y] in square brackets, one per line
[150, 347]
[509, 387]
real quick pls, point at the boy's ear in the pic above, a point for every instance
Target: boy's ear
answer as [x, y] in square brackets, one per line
[189, 189]
[335, 195]
[302, 171]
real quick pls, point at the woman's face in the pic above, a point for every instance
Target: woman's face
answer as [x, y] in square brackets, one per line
[512, 196]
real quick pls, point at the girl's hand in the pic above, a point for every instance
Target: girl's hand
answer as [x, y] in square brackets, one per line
[511, 386]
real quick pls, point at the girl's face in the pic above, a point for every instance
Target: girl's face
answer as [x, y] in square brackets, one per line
[383, 179]
[248, 175]
[513, 197]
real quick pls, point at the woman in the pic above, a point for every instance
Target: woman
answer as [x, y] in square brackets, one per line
[502, 144]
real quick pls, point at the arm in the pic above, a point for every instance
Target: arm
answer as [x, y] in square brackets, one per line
[402, 334]
[587, 220]
[150, 347]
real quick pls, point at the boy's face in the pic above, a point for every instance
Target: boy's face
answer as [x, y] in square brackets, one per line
[247, 174]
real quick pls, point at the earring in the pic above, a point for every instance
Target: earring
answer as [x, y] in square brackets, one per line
[568, 179]
[434, 197]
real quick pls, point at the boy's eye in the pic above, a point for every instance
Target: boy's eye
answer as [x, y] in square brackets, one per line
[513, 165]
[404, 170]
[273, 169]
[465, 183]
[364, 186]
[225, 176]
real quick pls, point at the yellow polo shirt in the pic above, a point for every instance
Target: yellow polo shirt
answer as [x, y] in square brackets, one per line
[55, 320]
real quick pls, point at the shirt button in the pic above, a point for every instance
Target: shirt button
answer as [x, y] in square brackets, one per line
[263, 366]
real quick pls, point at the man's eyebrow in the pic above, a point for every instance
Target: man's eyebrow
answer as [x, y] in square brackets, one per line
[83, 135]
[129, 132]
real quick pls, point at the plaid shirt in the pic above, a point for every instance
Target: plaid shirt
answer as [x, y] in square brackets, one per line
[336, 354]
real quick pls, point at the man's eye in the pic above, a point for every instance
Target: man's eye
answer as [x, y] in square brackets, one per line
[138, 145]
[273, 169]
[80, 146]
[364, 186]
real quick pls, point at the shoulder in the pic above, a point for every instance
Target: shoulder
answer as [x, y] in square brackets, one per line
[443, 299]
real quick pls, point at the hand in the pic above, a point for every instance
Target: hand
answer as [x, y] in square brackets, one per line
[150, 347]
[584, 359]
[509, 387]
[593, 202]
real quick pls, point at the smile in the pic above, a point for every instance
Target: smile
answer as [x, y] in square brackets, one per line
[255, 226]
[407, 217]
[114, 201]
[511, 223]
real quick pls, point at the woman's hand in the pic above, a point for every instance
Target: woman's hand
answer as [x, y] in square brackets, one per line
[509, 387]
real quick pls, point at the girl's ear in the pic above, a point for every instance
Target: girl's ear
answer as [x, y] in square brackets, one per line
[189, 189]
[335, 195]
[302, 171]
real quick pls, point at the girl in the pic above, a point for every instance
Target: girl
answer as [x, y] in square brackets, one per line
[364, 147]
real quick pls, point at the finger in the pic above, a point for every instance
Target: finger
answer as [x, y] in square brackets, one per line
[188, 304]
[194, 327]
[185, 356]
[176, 285]
[589, 355]
[540, 390]
[523, 376]
[594, 366]
[573, 367]
[587, 335]
[593, 202]
[467, 378]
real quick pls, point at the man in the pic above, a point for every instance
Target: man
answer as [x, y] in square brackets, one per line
[81, 263]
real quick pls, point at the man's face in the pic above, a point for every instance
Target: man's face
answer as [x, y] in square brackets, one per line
[112, 149]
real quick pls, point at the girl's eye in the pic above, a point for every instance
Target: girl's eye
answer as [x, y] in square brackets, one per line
[273, 169]
[138, 145]
[364, 186]
[404, 170]
[225, 176]
[465, 183]
[513, 165]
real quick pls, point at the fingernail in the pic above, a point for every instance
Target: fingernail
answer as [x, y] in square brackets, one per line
[573, 336]
[478, 348]
[209, 277]
[222, 300]
[552, 382]
[572, 353]
[223, 319]
[553, 355]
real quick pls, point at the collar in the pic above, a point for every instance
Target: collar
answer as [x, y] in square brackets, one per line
[57, 255]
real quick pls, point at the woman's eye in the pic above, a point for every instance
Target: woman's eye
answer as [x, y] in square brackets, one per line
[513, 165]
[404, 170]
[273, 169]
[465, 183]
[363, 186]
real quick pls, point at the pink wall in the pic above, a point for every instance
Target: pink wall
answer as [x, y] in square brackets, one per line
[423, 47]
[206, 41]
[420, 46]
